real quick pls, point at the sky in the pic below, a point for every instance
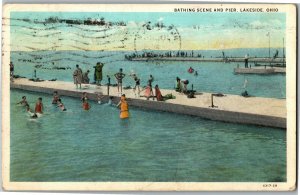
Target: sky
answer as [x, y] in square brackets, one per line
[175, 31]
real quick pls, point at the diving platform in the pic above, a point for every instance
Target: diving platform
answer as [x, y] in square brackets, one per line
[260, 111]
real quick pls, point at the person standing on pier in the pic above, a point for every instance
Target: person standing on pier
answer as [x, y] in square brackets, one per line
[77, 76]
[150, 81]
[39, 106]
[98, 73]
[124, 113]
[136, 86]
[119, 76]
[246, 60]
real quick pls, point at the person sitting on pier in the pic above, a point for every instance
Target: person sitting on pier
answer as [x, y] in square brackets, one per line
[185, 83]
[178, 87]
[119, 76]
[86, 79]
[39, 106]
[158, 95]
[190, 70]
[61, 105]
[23, 102]
[55, 97]
[84, 99]
[77, 76]
[124, 113]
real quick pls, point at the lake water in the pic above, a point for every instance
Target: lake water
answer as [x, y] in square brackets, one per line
[213, 77]
[96, 145]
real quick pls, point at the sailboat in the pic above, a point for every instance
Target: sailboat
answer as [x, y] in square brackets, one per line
[271, 63]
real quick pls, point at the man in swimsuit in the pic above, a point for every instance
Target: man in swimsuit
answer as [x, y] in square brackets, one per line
[119, 76]
[137, 85]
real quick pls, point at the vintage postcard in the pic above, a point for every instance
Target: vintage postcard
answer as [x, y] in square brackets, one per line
[149, 97]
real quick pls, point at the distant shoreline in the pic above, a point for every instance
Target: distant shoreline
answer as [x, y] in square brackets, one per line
[199, 59]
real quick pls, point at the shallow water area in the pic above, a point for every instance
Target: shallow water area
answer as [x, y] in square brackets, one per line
[96, 145]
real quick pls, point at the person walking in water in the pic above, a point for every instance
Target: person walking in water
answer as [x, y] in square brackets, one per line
[39, 106]
[119, 76]
[246, 60]
[98, 73]
[124, 113]
[85, 103]
[77, 76]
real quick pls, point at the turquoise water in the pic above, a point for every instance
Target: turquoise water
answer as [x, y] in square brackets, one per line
[96, 145]
[213, 77]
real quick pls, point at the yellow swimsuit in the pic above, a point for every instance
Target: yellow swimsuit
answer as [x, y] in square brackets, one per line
[124, 110]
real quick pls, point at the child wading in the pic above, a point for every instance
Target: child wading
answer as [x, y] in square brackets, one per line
[124, 113]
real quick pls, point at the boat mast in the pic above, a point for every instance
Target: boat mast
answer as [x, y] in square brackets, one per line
[269, 48]
[283, 57]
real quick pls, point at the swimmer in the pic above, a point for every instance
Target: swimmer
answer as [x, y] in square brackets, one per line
[190, 70]
[110, 100]
[61, 105]
[34, 116]
[23, 102]
[31, 115]
[196, 73]
[55, 97]
[39, 106]
[99, 98]
[84, 99]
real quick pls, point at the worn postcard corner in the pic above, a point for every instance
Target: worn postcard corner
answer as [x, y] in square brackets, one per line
[156, 97]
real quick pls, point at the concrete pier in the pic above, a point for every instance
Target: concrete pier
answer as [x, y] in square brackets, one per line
[269, 112]
[259, 70]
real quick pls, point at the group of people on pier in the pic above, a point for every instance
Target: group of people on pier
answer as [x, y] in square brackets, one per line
[82, 78]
